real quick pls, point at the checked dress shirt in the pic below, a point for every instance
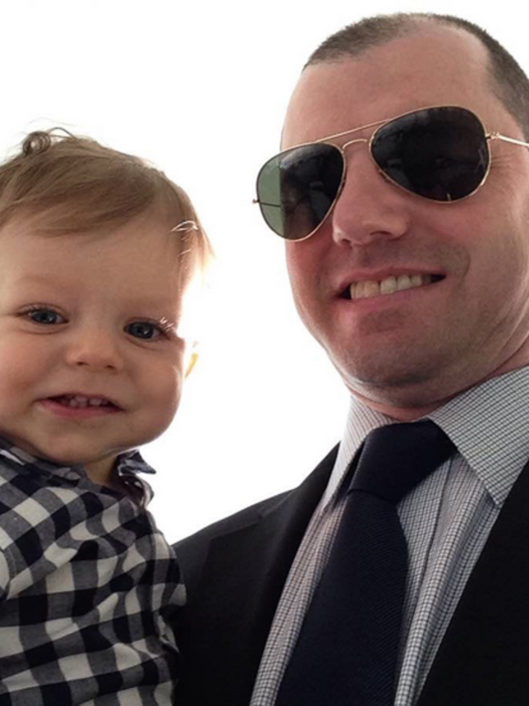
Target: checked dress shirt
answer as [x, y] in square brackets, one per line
[87, 586]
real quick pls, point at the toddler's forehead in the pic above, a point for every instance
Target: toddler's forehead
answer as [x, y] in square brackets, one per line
[128, 250]
[139, 239]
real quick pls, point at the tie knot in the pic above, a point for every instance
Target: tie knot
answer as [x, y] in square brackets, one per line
[395, 458]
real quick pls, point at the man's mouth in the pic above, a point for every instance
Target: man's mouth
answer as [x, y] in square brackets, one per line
[388, 285]
[82, 401]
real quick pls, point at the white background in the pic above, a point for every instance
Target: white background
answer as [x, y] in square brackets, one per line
[200, 89]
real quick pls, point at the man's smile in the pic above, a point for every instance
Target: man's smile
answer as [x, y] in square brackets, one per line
[366, 288]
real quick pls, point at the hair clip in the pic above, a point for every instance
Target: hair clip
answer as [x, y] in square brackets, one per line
[185, 225]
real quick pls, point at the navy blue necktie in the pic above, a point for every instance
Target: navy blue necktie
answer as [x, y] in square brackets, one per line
[346, 652]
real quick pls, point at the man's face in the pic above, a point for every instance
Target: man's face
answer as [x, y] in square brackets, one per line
[90, 360]
[409, 351]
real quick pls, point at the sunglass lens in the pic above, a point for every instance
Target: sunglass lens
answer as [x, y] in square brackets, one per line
[440, 153]
[297, 188]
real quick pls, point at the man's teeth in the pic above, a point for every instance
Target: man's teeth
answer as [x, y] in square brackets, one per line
[82, 401]
[373, 288]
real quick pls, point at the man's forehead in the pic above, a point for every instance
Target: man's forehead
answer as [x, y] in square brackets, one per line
[434, 67]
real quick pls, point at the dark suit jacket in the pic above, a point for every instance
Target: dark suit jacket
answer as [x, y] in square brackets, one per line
[235, 571]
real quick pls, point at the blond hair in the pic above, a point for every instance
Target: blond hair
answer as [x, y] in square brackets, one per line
[78, 185]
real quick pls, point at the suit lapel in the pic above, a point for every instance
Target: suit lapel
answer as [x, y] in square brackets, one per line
[244, 572]
[482, 661]
[484, 657]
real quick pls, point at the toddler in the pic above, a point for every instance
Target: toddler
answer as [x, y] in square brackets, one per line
[96, 251]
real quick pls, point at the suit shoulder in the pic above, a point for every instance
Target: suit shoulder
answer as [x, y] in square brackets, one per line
[238, 520]
[192, 550]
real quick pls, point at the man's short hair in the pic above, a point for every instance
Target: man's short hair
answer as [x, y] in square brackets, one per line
[77, 184]
[508, 81]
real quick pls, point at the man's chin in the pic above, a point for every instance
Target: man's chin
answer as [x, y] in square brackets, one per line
[400, 391]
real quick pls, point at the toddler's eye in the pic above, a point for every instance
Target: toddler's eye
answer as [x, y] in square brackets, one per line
[45, 316]
[143, 329]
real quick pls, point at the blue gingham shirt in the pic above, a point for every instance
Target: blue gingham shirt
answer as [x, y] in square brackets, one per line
[446, 519]
[87, 587]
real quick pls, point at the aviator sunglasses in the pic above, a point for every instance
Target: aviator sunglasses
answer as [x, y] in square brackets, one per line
[440, 153]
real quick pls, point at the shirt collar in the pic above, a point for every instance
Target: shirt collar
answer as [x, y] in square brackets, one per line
[360, 421]
[488, 424]
[128, 465]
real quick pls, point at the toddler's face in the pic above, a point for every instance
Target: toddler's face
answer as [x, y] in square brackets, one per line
[90, 360]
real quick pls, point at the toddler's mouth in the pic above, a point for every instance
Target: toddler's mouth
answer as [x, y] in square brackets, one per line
[75, 401]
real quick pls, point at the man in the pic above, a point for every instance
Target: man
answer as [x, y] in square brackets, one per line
[412, 270]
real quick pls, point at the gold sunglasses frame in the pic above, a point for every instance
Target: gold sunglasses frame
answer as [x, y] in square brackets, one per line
[489, 136]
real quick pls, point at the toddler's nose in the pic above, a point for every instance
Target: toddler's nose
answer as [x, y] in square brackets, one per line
[96, 349]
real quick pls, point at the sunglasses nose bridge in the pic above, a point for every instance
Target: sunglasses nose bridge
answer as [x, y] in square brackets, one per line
[352, 142]
[342, 148]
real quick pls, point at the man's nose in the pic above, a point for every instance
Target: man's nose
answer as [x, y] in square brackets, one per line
[94, 348]
[369, 208]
